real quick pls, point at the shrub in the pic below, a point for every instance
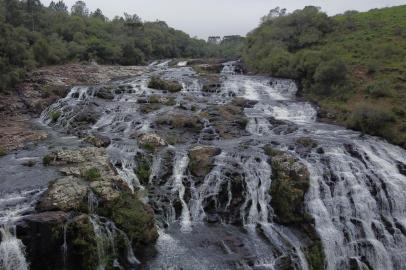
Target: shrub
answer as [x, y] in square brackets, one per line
[55, 115]
[46, 160]
[378, 89]
[3, 151]
[370, 120]
[92, 174]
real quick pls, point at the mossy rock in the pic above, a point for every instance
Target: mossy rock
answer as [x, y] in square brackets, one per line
[46, 160]
[82, 244]
[315, 256]
[307, 142]
[290, 182]
[160, 84]
[133, 217]
[143, 170]
[3, 151]
[202, 159]
[55, 115]
[270, 151]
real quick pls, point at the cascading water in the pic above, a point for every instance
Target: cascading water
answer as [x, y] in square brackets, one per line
[13, 206]
[224, 219]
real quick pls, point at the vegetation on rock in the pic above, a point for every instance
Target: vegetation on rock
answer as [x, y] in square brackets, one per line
[92, 174]
[290, 182]
[202, 159]
[3, 151]
[133, 217]
[55, 115]
[160, 84]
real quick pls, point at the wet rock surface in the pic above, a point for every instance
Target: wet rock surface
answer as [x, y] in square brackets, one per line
[90, 197]
[237, 177]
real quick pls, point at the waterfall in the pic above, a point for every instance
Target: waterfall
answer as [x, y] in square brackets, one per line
[225, 218]
[12, 255]
[181, 162]
[358, 201]
[12, 207]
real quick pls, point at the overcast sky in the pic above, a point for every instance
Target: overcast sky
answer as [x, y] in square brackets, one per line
[204, 18]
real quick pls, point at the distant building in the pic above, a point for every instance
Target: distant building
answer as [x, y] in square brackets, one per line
[214, 40]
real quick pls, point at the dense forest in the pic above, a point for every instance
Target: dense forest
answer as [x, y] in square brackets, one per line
[33, 35]
[353, 65]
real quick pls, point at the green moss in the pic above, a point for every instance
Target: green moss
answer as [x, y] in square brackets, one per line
[131, 216]
[288, 189]
[315, 256]
[55, 115]
[46, 160]
[160, 84]
[83, 243]
[143, 170]
[148, 147]
[270, 151]
[307, 142]
[92, 174]
[3, 151]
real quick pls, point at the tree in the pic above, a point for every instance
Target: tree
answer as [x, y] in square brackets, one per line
[274, 13]
[132, 21]
[80, 9]
[98, 14]
[59, 6]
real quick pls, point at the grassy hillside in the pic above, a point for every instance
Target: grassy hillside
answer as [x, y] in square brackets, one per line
[353, 65]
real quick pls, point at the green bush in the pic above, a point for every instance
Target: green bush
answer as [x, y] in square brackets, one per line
[379, 89]
[371, 120]
[55, 115]
[47, 159]
[92, 174]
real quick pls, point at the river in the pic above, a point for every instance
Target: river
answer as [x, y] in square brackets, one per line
[356, 193]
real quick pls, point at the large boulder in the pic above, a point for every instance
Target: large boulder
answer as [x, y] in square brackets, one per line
[151, 141]
[229, 120]
[98, 140]
[161, 84]
[65, 194]
[39, 234]
[290, 182]
[91, 194]
[202, 159]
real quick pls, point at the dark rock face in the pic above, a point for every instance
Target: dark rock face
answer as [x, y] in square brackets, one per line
[39, 233]
[105, 92]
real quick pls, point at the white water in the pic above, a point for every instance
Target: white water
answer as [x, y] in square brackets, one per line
[12, 250]
[356, 196]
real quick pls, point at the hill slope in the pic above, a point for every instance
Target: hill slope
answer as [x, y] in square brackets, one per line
[353, 65]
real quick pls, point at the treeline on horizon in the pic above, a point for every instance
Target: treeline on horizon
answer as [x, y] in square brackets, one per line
[33, 35]
[353, 65]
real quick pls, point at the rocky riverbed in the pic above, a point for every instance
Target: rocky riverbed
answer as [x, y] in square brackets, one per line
[184, 168]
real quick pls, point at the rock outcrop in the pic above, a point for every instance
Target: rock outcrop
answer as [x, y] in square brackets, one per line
[89, 193]
[202, 159]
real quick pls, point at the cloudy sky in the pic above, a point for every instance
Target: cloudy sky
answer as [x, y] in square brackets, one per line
[203, 18]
